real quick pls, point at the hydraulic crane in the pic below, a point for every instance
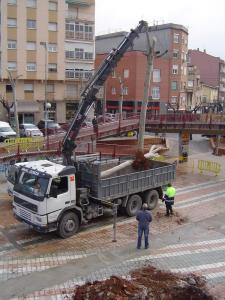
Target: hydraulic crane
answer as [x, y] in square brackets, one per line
[88, 95]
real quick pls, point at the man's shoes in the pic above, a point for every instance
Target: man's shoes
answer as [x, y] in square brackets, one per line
[147, 247]
[167, 215]
[138, 248]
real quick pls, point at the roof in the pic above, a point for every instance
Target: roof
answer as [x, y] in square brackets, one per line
[45, 166]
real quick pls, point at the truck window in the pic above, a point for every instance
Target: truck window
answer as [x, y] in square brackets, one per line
[30, 184]
[61, 184]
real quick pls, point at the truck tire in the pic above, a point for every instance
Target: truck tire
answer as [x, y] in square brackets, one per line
[133, 205]
[68, 225]
[151, 198]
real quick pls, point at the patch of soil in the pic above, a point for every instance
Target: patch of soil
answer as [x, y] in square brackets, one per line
[140, 162]
[176, 217]
[145, 284]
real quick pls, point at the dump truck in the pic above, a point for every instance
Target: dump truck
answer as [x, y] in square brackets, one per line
[53, 197]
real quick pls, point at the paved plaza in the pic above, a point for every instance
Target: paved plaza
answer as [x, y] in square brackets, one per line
[34, 266]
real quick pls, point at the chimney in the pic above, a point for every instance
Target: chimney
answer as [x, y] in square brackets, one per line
[197, 49]
[204, 51]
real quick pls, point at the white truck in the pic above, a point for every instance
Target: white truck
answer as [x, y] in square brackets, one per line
[53, 197]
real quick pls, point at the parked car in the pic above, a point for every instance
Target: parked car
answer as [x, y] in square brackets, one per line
[108, 118]
[6, 131]
[52, 127]
[29, 130]
[85, 124]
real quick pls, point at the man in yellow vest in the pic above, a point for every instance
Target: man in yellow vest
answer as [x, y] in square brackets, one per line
[169, 199]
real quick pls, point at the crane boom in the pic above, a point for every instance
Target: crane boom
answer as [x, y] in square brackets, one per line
[88, 96]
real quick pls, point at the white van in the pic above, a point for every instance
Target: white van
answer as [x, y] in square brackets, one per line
[6, 131]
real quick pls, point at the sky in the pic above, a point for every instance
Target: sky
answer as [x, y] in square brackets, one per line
[205, 19]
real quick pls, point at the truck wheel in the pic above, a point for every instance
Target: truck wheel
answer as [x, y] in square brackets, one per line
[133, 205]
[151, 198]
[68, 225]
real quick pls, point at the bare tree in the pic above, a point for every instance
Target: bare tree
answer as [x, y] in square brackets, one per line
[5, 103]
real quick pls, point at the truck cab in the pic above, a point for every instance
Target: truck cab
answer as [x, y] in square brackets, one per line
[45, 198]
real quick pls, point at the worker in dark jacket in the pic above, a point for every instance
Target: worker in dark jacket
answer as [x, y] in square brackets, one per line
[143, 217]
[169, 199]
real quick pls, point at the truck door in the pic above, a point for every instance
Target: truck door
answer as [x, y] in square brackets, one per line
[59, 197]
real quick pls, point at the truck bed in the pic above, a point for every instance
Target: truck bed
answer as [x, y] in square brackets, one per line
[124, 182]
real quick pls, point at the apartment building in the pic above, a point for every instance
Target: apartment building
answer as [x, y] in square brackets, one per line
[169, 74]
[38, 42]
[211, 69]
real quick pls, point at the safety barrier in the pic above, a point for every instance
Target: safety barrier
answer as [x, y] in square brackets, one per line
[209, 166]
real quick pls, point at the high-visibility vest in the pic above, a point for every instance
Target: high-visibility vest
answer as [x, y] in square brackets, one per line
[170, 192]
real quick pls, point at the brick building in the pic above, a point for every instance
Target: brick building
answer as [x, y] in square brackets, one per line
[211, 70]
[169, 75]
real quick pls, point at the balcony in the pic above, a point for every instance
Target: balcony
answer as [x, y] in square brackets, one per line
[83, 36]
[80, 2]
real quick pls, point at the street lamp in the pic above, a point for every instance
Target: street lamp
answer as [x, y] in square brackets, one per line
[45, 44]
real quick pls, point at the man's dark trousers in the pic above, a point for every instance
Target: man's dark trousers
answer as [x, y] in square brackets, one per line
[141, 230]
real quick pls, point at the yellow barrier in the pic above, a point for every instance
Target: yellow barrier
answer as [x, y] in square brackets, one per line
[25, 144]
[210, 166]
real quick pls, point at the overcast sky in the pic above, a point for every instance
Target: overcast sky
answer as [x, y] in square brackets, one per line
[204, 19]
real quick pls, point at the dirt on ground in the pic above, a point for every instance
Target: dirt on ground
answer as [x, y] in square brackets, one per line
[147, 283]
[177, 218]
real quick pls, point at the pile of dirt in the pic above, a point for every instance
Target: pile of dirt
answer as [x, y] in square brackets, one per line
[144, 284]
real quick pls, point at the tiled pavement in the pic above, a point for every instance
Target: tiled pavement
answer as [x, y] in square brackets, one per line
[199, 198]
[206, 257]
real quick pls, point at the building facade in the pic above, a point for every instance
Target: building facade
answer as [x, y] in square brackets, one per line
[169, 75]
[36, 36]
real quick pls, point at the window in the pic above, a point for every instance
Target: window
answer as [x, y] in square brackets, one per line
[155, 92]
[52, 5]
[88, 55]
[59, 184]
[190, 83]
[50, 88]
[31, 24]
[174, 100]
[156, 75]
[72, 91]
[11, 2]
[52, 47]
[113, 91]
[11, 44]
[31, 46]
[31, 3]
[175, 53]
[52, 26]
[113, 73]
[176, 38]
[29, 87]
[125, 73]
[79, 53]
[175, 69]
[52, 67]
[125, 90]
[31, 66]
[174, 85]
[11, 22]
[71, 107]
[12, 65]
